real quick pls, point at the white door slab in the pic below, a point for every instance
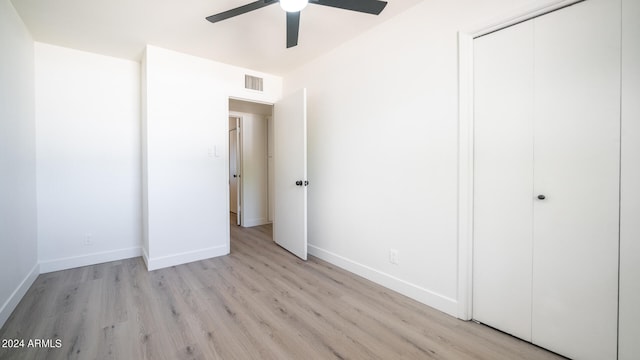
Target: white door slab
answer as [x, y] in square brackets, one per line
[290, 173]
[546, 183]
[233, 171]
[577, 157]
[503, 179]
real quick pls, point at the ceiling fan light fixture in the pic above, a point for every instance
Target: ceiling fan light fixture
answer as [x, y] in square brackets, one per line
[293, 8]
[293, 5]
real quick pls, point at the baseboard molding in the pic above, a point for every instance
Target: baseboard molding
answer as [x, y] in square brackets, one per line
[88, 259]
[145, 257]
[425, 296]
[255, 222]
[185, 257]
[18, 293]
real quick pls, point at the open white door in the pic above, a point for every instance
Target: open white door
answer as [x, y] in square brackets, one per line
[234, 169]
[290, 175]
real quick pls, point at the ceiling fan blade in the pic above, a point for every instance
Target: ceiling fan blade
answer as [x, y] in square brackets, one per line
[293, 28]
[240, 10]
[374, 7]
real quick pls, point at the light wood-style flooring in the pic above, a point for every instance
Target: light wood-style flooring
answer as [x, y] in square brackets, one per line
[259, 302]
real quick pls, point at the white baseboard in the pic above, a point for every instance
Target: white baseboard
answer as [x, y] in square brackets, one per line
[13, 300]
[185, 257]
[145, 257]
[425, 296]
[88, 259]
[255, 222]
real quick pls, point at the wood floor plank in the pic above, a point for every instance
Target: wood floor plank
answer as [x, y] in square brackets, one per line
[259, 302]
[302, 305]
[281, 318]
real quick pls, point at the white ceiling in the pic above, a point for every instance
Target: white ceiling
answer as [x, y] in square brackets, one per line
[255, 40]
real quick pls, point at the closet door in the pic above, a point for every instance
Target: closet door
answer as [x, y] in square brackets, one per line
[503, 194]
[577, 157]
[546, 196]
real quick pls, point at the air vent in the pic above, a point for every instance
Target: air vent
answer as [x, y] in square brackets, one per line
[253, 83]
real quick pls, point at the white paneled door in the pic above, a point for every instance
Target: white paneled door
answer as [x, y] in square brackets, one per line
[290, 173]
[234, 169]
[546, 182]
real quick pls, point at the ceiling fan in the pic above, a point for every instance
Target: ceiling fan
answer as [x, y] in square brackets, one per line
[293, 8]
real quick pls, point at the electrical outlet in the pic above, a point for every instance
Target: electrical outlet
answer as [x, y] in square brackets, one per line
[393, 256]
[88, 240]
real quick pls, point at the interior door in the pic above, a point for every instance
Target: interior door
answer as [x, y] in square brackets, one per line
[577, 155]
[290, 173]
[234, 174]
[546, 181]
[503, 179]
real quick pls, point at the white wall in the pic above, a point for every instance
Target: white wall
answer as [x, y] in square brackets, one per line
[382, 113]
[18, 221]
[383, 142]
[186, 129]
[629, 327]
[250, 107]
[88, 157]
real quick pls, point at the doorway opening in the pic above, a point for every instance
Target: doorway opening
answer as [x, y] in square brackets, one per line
[250, 163]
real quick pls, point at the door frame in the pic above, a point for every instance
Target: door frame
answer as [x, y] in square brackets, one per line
[466, 139]
[236, 114]
[238, 128]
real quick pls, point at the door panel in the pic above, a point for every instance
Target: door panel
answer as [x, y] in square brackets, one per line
[235, 157]
[561, 265]
[503, 184]
[290, 166]
[577, 148]
[233, 171]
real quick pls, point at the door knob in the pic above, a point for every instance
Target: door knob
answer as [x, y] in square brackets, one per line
[299, 182]
[541, 197]
[234, 175]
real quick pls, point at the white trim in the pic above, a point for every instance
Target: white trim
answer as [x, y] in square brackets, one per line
[465, 141]
[255, 222]
[425, 296]
[465, 175]
[88, 259]
[227, 174]
[263, 102]
[186, 257]
[13, 300]
[145, 257]
[516, 16]
[239, 167]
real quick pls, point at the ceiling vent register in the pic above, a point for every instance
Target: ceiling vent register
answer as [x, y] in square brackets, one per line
[253, 83]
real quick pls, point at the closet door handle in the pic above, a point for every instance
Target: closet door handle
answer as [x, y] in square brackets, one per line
[541, 197]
